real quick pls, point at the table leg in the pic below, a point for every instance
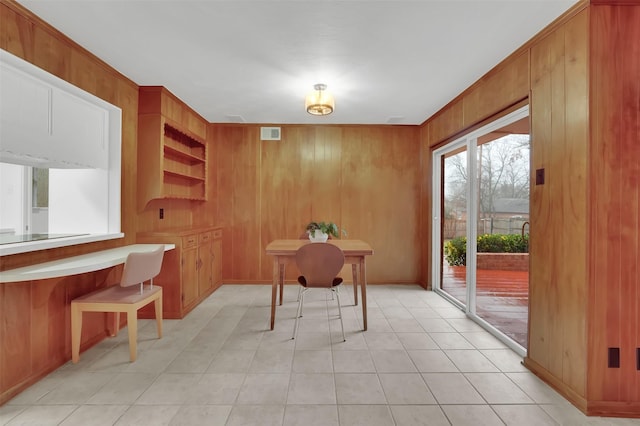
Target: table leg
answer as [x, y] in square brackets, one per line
[274, 288]
[281, 278]
[363, 287]
[354, 272]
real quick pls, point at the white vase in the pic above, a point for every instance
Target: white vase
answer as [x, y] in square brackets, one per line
[318, 236]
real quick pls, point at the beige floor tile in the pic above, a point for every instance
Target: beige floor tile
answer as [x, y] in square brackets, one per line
[76, 389]
[359, 388]
[231, 361]
[353, 362]
[382, 341]
[452, 388]
[436, 325]
[471, 415]
[210, 415]
[483, 340]
[405, 388]
[432, 360]
[505, 359]
[470, 360]
[523, 415]
[264, 389]
[451, 341]
[157, 415]
[311, 415]
[271, 361]
[496, 388]
[535, 388]
[418, 415]
[312, 362]
[392, 361]
[216, 388]
[311, 388]
[169, 389]
[421, 340]
[123, 388]
[95, 415]
[42, 415]
[262, 415]
[365, 415]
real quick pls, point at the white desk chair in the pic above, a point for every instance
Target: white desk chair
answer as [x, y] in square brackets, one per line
[128, 297]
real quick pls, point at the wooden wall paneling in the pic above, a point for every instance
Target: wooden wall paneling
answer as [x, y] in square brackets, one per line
[615, 195]
[500, 88]
[17, 33]
[401, 212]
[16, 332]
[287, 189]
[380, 198]
[223, 140]
[574, 202]
[326, 180]
[248, 247]
[446, 123]
[540, 246]
[426, 216]
[52, 54]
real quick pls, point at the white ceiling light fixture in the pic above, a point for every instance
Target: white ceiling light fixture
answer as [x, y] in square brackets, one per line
[319, 102]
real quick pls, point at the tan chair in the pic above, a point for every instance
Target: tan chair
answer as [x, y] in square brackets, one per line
[128, 297]
[319, 263]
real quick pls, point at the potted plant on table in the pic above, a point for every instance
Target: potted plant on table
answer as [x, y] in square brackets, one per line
[320, 231]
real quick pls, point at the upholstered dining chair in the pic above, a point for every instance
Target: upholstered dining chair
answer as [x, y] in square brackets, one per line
[131, 295]
[319, 264]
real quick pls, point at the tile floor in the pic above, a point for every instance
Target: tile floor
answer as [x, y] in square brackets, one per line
[420, 363]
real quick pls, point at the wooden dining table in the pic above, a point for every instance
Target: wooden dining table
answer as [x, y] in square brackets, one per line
[355, 253]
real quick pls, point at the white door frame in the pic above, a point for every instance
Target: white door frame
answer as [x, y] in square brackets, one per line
[470, 142]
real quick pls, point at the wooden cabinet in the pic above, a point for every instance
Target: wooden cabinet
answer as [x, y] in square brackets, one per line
[172, 159]
[189, 273]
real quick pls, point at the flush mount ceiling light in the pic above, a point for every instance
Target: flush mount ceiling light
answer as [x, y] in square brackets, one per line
[319, 102]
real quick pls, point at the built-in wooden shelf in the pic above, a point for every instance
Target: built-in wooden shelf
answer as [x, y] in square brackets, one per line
[172, 160]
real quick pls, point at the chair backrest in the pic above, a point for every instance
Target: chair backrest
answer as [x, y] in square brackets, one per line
[142, 266]
[319, 263]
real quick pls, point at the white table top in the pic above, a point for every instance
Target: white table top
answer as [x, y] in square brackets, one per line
[77, 264]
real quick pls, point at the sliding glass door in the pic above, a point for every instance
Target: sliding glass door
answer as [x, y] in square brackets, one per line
[480, 239]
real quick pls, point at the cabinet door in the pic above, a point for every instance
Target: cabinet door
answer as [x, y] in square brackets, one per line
[205, 273]
[217, 262]
[190, 263]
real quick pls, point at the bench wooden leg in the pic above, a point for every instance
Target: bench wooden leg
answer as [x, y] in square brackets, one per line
[132, 325]
[76, 332]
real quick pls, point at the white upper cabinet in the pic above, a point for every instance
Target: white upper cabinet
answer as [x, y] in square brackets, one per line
[48, 123]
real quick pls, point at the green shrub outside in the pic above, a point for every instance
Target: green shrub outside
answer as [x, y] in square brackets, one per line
[455, 250]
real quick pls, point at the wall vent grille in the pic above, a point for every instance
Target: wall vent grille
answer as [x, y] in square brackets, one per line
[270, 133]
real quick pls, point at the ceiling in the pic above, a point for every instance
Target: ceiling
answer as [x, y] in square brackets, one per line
[385, 62]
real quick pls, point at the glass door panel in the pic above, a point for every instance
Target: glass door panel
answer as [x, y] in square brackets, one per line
[453, 280]
[502, 214]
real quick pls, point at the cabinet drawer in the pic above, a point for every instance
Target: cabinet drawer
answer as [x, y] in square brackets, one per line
[190, 241]
[205, 237]
[217, 234]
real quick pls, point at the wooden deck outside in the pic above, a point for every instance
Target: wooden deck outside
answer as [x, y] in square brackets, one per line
[502, 297]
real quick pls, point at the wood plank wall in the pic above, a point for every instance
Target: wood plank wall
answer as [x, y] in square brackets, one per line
[364, 178]
[558, 257]
[34, 333]
[614, 199]
[584, 95]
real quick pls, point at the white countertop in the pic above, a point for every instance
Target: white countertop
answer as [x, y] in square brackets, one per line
[77, 264]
